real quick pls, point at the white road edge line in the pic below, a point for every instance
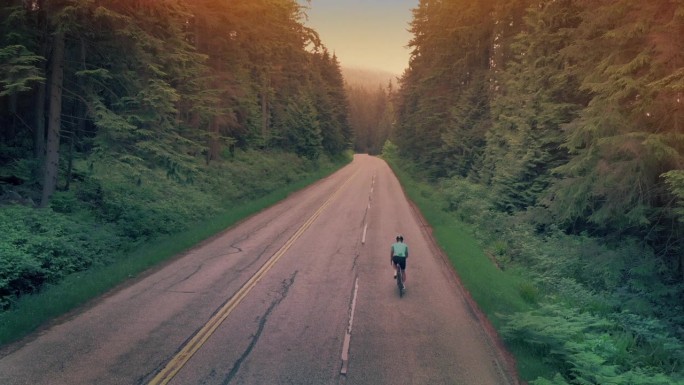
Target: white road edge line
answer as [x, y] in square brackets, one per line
[347, 336]
[363, 240]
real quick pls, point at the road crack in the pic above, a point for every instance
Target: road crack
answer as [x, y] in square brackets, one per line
[356, 259]
[178, 282]
[285, 288]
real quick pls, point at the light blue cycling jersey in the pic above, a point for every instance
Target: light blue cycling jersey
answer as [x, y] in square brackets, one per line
[400, 249]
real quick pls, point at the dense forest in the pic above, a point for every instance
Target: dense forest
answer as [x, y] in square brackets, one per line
[554, 128]
[371, 110]
[558, 127]
[575, 108]
[371, 115]
[126, 119]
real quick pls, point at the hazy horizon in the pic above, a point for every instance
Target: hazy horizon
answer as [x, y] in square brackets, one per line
[368, 78]
[371, 34]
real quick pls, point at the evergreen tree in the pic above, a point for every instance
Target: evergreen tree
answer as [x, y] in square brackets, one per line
[22, 69]
[449, 59]
[627, 56]
[331, 102]
[301, 127]
[533, 97]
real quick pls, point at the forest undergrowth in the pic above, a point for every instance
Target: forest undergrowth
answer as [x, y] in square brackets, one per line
[574, 309]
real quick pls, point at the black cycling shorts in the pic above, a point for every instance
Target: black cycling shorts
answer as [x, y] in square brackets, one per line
[400, 260]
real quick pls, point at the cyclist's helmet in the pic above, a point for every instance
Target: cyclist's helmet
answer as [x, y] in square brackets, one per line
[400, 238]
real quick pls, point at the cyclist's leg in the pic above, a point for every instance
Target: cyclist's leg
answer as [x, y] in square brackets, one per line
[403, 268]
[394, 266]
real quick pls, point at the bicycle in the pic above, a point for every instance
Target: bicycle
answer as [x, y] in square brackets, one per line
[400, 279]
[399, 254]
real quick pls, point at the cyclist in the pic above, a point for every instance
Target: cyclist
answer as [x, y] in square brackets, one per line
[399, 254]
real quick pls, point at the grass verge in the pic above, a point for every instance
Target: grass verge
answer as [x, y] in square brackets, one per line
[32, 311]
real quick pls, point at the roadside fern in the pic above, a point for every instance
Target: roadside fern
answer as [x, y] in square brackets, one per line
[589, 349]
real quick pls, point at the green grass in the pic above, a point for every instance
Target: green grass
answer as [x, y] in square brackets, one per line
[498, 293]
[32, 311]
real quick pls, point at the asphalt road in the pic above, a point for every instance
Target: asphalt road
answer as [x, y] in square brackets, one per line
[301, 293]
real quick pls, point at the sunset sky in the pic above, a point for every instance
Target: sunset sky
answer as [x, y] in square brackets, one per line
[368, 34]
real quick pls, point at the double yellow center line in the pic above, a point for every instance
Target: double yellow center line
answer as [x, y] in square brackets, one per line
[190, 348]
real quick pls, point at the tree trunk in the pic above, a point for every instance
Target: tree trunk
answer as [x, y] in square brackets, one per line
[39, 122]
[51, 165]
[80, 113]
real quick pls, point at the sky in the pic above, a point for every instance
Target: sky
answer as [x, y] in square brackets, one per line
[368, 34]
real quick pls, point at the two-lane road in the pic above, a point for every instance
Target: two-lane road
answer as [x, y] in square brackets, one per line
[301, 293]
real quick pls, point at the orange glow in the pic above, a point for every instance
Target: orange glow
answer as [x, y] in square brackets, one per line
[364, 34]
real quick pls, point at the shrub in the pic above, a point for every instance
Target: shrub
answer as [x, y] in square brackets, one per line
[468, 200]
[390, 150]
[41, 246]
[528, 292]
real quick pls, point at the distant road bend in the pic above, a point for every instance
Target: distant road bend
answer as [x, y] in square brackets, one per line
[301, 293]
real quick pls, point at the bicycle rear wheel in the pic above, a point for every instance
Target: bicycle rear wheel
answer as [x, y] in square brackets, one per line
[400, 280]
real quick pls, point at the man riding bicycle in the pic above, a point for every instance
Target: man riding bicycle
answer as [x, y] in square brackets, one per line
[399, 255]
